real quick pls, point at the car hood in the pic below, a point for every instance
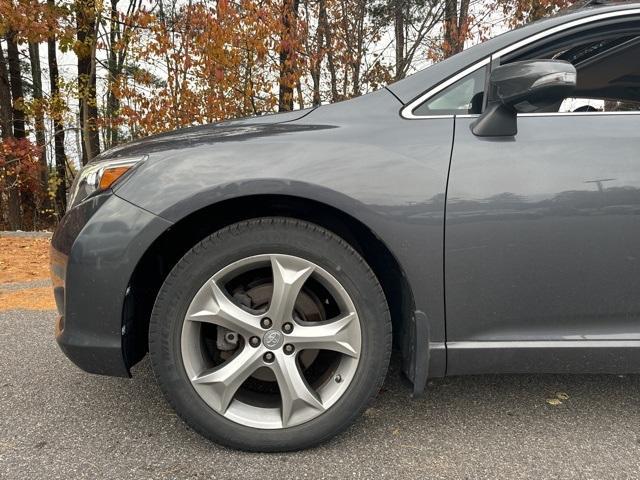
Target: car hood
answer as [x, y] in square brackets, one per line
[213, 132]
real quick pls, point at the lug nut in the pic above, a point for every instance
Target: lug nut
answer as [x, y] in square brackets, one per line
[268, 357]
[287, 327]
[288, 349]
[254, 341]
[266, 323]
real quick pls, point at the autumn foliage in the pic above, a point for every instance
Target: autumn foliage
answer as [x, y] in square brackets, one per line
[131, 68]
[19, 162]
[21, 172]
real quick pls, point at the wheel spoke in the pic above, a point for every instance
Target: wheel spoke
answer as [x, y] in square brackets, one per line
[340, 335]
[289, 275]
[227, 378]
[211, 305]
[294, 390]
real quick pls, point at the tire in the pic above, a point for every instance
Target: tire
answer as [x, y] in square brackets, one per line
[192, 366]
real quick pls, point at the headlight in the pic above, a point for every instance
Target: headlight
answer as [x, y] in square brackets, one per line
[99, 176]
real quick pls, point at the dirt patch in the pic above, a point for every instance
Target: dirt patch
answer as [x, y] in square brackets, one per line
[23, 259]
[29, 299]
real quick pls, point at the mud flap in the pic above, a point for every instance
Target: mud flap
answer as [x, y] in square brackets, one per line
[415, 352]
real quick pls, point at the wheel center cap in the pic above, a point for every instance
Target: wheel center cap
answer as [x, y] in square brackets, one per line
[273, 339]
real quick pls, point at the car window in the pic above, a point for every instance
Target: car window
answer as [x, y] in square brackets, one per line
[574, 104]
[463, 97]
[608, 75]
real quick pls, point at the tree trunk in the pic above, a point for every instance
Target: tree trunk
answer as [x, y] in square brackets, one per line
[324, 21]
[463, 19]
[316, 65]
[36, 74]
[113, 104]
[17, 94]
[287, 52]
[6, 122]
[58, 130]
[450, 23]
[86, 52]
[356, 64]
[300, 94]
[455, 26]
[6, 115]
[17, 90]
[399, 23]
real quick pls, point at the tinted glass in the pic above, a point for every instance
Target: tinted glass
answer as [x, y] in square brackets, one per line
[608, 75]
[463, 97]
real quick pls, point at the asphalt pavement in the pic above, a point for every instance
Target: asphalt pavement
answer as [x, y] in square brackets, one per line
[57, 422]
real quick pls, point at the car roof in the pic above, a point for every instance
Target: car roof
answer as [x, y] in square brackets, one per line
[411, 87]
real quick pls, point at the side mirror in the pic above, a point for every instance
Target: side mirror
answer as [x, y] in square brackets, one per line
[523, 87]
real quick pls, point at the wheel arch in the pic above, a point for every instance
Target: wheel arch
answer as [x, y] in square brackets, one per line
[173, 243]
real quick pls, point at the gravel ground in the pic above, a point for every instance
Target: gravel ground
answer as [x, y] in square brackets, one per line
[21, 234]
[25, 285]
[57, 422]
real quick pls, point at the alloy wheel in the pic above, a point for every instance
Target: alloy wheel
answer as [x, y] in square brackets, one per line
[271, 341]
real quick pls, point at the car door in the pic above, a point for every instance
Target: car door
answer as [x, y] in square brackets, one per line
[542, 241]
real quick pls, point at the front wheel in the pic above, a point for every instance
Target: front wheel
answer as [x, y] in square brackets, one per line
[271, 334]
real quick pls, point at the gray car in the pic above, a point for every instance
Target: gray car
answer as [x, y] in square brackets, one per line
[480, 216]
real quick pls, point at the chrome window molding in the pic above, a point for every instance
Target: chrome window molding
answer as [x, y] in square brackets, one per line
[555, 114]
[576, 114]
[407, 111]
[427, 117]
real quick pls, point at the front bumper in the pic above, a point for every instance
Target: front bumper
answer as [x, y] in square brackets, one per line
[94, 252]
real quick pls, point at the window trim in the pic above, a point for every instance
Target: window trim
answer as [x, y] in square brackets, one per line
[555, 114]
[407, 111]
